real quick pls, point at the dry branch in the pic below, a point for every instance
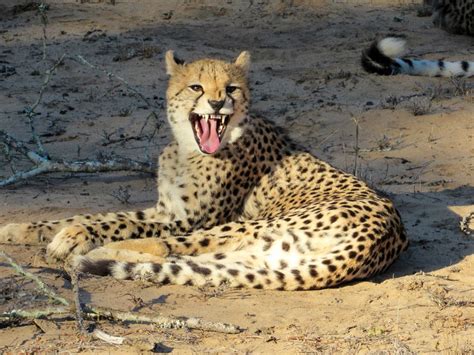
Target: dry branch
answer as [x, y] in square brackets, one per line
[98, 312]
[80, 59]
[33, 314]
[46, 165]
[42, 8]
[41, 285]
[164, 322]
[110, 339]
[30, 111]
[77, 302]
[356, 147]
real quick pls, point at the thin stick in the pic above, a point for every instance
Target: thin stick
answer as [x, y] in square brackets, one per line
[9, 158]
[21, 148]
[98, 312]
[94, 312]
[33, 314]
[110, 339]
[83, 166]
[44, 21]
[80, 59]
[356, 148]
[30, 111]
[77, 301]
[162, 321]
[41, 285]
[45, 165]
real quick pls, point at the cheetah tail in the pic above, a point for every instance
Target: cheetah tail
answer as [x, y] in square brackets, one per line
[382, 58]
[199, 273]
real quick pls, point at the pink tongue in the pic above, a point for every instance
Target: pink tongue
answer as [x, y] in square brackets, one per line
[209, 138]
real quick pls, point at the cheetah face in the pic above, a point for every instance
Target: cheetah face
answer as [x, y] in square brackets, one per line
[207, 99]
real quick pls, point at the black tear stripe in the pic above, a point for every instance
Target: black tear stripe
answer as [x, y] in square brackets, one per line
[179, 92]
[465, 65]
[196, 101]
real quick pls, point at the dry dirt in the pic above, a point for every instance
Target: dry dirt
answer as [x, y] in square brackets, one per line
[415, 142]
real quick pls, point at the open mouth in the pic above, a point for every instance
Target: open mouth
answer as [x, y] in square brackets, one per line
[209, 130]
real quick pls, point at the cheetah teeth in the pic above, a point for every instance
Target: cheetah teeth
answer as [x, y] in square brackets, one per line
[223, 118]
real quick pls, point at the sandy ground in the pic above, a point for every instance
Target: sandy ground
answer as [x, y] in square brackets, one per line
[415, 140]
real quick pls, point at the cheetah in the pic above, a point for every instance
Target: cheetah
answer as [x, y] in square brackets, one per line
[382, 58]
[238, 203]
[454, 16]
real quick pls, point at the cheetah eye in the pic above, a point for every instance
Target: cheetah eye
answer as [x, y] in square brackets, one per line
[230, 89]
[196, 87]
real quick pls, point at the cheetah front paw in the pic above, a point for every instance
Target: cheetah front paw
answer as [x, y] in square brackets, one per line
[72, 240]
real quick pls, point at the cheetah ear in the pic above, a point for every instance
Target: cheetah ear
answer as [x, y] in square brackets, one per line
[243, 61]
[172, 63]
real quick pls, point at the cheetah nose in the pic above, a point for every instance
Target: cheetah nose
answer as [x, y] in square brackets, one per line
[216, 105]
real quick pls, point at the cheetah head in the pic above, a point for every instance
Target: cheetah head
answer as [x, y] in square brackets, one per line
[207, 99]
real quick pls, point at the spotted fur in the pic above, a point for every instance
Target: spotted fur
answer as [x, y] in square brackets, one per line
[454, 16]
[259, 212]
[382, 58]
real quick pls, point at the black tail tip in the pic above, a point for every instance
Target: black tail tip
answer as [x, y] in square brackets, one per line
[376, 62]
[95, 267]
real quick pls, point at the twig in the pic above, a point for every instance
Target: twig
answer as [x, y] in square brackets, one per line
[44, 21]
[33, 314]
[77, 301]
[157, 127]
[9, 158]
[30, 111]
[80, 59]
[95, 312]
[356, 147]
[110, 339]
[98, 312]
[162, 321]
[21, 148]
[41, 285]
[326, 138]
[45, 165]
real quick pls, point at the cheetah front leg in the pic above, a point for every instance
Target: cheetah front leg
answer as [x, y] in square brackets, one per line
[80, 238]
[44, 231]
